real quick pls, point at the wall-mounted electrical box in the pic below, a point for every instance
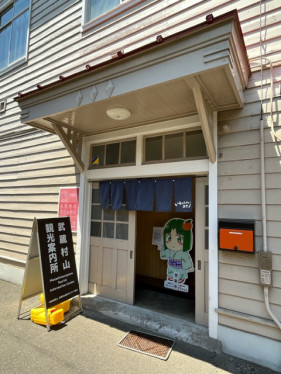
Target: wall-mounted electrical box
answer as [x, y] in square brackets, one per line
[237, 235]
[265, 267]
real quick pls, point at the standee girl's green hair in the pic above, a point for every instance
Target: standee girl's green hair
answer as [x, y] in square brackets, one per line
[184, 228]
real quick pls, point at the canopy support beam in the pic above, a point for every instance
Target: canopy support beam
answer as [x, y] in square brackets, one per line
[206, 116]
[72, 141]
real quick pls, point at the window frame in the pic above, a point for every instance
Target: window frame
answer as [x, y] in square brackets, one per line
[119, 164]
[163, 135]
[24, 58]
[104, 220]
[115, 11]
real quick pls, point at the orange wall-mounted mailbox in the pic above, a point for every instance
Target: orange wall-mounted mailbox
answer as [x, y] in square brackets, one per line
[237, 235]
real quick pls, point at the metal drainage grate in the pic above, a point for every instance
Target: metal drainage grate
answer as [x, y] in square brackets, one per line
[148, 344]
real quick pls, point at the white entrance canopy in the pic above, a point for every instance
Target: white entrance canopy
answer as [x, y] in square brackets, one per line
[198, 71]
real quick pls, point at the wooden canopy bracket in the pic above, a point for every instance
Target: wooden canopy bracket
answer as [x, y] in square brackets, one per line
[206, 116]
[72, 141]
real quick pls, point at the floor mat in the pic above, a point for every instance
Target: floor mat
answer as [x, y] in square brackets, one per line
[148, 344]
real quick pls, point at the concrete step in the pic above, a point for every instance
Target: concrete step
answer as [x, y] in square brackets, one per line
[155, 322]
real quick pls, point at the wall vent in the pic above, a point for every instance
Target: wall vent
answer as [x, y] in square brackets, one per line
[3, 104]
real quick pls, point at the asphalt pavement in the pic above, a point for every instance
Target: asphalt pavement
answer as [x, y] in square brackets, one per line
[88, 344]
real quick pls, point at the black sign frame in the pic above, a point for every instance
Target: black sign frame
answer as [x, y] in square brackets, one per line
[57, 258]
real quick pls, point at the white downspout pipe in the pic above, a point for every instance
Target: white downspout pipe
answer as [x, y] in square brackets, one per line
[262, 161]
[263, 200]
[264, 218]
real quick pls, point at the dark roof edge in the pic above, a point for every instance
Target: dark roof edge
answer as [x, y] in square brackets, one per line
[210, 20]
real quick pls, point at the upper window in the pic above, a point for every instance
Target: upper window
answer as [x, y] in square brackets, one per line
[99, 10]
[114, 154]
[175, 146]
[14, 26]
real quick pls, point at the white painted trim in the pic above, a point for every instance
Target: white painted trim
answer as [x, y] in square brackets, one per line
[203, 111]
[78, 253]
[84, 9]
[201, 254]
[195, 167]
[83, 226]
[139, 150]
[85, 236]
[213, 240]
[261, 350]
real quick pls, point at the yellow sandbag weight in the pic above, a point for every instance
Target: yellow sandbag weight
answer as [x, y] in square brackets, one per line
[55, 316]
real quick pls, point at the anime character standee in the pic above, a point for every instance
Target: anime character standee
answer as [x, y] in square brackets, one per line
[177, 243]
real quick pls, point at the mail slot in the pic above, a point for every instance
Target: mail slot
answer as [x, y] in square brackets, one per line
[237, 235]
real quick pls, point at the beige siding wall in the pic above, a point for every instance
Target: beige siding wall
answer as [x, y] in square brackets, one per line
[240, 197]
[33, 165]
[239, 181]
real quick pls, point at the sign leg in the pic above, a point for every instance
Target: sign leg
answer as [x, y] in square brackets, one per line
[47, 319]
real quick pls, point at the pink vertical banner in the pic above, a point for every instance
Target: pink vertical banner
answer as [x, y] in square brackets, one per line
[68, 205]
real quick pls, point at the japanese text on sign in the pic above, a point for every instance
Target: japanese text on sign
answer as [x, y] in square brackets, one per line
[68, 205]
[52, 250]
[57, 259]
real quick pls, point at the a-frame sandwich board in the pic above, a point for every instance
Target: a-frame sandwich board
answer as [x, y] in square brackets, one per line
[50, 265]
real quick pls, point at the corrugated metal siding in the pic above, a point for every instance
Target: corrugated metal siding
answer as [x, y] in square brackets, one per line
[35, 164]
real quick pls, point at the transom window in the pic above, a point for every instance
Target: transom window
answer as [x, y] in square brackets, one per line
[113, 154]
[14, 26]
[108, 223]
[176, 146]
[97, 8]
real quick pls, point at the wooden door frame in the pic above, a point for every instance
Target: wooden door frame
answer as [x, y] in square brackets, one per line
[201, 254]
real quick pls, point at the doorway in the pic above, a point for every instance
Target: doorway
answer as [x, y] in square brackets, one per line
[126, 266]
[151, 270]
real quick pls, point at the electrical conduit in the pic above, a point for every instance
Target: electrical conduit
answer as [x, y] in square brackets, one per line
[262, 160]
[264, 231]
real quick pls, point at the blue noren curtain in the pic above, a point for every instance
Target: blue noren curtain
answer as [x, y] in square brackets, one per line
[164, 195]
[117, 194]
[146, 192]
[104, 194]
[140, 194]
[183, 195]
[131, 194]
